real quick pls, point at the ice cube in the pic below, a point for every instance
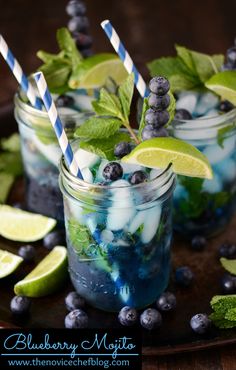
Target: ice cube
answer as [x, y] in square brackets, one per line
[207, 102]
[51, 152]
[76, 211]
[213, 186]
[130, 168]
[187, 100]
[107, 236]
[212, 113]
[87, 175]
[83, 102]
[137, 221]
[99, 175]
[227, 170]
[216, 154]
[151, 224]
[85, 158]
[64, 111]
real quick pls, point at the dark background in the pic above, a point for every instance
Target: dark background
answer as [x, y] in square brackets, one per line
[149, 29]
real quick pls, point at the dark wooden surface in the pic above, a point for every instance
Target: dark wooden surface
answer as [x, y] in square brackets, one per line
[149, 29]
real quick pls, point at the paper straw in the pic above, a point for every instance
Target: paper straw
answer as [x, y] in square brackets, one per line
[57, 125]
[19, 75]
[125, 57]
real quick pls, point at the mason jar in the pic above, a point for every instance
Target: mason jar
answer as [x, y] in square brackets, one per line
[41, 153]
[205, 207]
[118, 239]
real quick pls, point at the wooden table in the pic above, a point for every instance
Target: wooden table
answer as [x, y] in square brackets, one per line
[149, 29]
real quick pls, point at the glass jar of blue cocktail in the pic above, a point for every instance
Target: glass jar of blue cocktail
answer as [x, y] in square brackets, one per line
[118, 234]
[206, 206]
[40, 149]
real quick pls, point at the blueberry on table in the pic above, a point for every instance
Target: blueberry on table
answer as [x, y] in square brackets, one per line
[75, 7]
[184, 276]
[182, 114]
[73, 301]
[76, 319]
[112, 171]
[156, 118]
[64, 101]
[27, 252]
[20, 305]
[78, 24]
[54, 238]
[231, 56]
[198, 243]
[227, 250]
[200, 323]
[138, 177]
[166, 302]
[150, 319]
[226, 106]
[159, 85]
[158, 102]
[121, 149]
[149, 132]
[228, 284]
[128, 316]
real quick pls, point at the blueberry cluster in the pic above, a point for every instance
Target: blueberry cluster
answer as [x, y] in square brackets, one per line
[230, 63]
[157, 115]
[78, 25]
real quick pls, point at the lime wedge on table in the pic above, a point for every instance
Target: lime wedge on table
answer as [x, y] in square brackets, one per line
[23, 226]
[94, 71]
[161, 151]
[47, 276]
[8, 263]
[224, 84]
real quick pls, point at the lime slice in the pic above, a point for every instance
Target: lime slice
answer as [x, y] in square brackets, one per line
[47, 276]
[161, 151]
[8, 263]
[23, 226]
[94, 71]
[224, 84]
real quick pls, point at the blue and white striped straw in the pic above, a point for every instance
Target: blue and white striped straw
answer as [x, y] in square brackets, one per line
[57, 124]
[19, 75]
[125, 57]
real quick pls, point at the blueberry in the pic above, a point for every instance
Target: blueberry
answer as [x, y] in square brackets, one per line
[166, 302]
[156, 118]
[76, 319]
[69, 124]
[73, 301]
[86, 53]
[198, 243]
[64, 101]
[227, 250]
[18, 205]
[54, 238]
[228, 284]
[75, 7]
[226, 106]
[20, 305]
[231, 56]
[27, 252]
[137, 177]
[82, 41]
[182, 114]
[158, 102]
[159, 85]
[184, 276]
[149, 132]
[200, 323]
[121, 149]
[150, 319]
[227, 67]
[78, 24]
[112, 171]
[128, 316]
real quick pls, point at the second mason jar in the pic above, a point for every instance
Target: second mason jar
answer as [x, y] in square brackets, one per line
[118, 239]
[205, 207]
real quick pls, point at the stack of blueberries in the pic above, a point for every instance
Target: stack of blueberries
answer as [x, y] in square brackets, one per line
[230, 63]
[78, 25]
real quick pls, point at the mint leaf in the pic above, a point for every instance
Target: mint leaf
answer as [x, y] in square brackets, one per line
[68, 45]
[98, 128]
[142, 121]
[11, 163]
[229, 265]
[6, 181]
[171, 108]
[57, 74]
[105, 147]
[223, 134]
[219, 199]
[207, 65]
[186, 56]
[48, 57]
[125, 93]
[222, 303]
[220, 322]
[224, 84]
[12, 143]
[79, 236]
[231, 315]
[108, 105]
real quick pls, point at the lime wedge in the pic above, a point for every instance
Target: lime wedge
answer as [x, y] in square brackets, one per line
[8, 263]
[161, 151]
[23, 226]
[224, 84]
[94, 71]
[47, 276]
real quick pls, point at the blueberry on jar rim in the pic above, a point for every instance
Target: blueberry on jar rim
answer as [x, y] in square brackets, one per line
[158, 102]
[138, 177]
[159, 85]
[149, 132]
[64, 101]
[121, 149]
[156, 118]
[183, 114]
